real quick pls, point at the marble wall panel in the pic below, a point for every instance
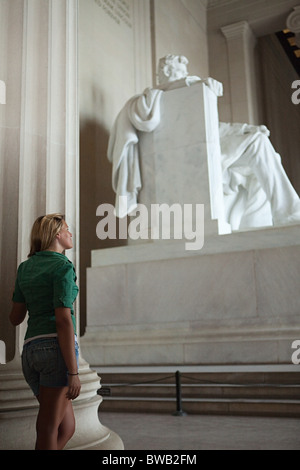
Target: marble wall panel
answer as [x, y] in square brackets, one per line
[96, 353]
[208, 287]
[180, 28]
[137, 354]
[285, 350]
[231, 352]
[277, 274]
[107, 296]
[226, 308]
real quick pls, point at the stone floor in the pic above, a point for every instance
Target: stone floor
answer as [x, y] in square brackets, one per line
[202, 432]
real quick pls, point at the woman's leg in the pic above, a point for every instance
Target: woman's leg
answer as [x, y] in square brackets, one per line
[52, 431]
[67, 427]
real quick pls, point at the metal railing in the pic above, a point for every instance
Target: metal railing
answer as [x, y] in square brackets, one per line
[106, 390]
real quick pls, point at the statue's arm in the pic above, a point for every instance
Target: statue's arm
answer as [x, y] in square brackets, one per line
[215, 86]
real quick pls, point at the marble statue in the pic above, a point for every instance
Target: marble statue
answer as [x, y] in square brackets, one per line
[142, 112]
[257, 191]
[173, 73]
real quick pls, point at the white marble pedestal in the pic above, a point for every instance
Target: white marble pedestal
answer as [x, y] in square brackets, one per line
[235, 302]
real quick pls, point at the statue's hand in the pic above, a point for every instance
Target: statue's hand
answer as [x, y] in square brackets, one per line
[250, 129]
[192, 79]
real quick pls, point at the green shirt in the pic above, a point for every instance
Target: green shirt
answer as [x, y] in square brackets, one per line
[44, 282]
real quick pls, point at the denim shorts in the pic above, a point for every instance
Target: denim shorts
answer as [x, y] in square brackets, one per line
[43, 364]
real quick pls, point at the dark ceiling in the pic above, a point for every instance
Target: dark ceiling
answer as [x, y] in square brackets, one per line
[288, 42]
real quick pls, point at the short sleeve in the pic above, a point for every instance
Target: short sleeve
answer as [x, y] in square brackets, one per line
[64, 286]
[18, 295]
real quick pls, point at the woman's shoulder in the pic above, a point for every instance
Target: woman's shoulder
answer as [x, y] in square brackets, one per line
[47, 261]
[64, 268]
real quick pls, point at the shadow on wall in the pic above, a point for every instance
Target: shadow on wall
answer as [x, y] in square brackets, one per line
[281, 115]
[95, 189]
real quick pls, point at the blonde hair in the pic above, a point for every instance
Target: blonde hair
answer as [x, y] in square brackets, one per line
[44, 231]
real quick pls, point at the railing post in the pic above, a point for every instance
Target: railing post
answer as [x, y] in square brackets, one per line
[179, 411]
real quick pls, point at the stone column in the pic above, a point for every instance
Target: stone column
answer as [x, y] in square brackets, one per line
[47, 180]
[2, 92]
[293, 23]
[240, 44]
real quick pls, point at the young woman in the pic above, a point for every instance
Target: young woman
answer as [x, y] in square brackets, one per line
[46, 288]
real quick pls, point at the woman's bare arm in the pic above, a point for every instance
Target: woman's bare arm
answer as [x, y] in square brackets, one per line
[18, 313]
[65, 333]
